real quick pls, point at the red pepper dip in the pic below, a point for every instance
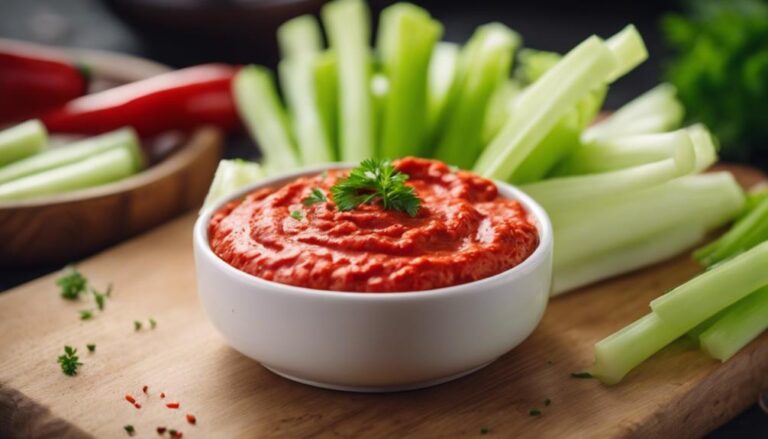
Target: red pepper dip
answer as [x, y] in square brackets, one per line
[464, 231]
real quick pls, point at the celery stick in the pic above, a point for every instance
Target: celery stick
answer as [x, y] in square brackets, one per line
[741, 323]
[714, 290]
[299, 36]
[347, 24]
[708, 200]
[379, 94]
[542, 104]
[264, 116]
[485, 65]
[500, 107]
[629, 49]
[746, 233]
[645, 251]
[105, 167]
[574, 191]
[655, 111]
[327, 97]
[559, 142]
[625, 349]
[623, 152]
[407, 35]
[534, 63]
[442, 72]
[704, 146]
[297, 78]
[75, 152]
[232, 175]
[22, 140]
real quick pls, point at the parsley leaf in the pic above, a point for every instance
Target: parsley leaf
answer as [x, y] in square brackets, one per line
[69, 361]
[297, 215]
[86, 314]
[376, 180]
[72, 283]
[91, 347]
[100, 298]
[315, 196]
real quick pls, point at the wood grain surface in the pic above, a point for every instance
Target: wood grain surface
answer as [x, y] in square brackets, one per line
[678, 393]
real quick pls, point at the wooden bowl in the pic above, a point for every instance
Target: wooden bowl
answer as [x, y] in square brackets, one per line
[58, 229]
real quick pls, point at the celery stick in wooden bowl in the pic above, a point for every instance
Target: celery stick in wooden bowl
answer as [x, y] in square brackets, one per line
[73, 179]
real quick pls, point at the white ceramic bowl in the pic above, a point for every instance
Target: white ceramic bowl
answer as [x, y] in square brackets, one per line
[374, 341]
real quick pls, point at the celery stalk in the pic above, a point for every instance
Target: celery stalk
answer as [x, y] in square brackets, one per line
[326, 96]
[708, 200]
[748, 231]
[105, 167]
[625, 349]
[442, 72]
[534, 63]
[704, 146]
[500, 107]
[299, 36]
[407, 36]
[574, 191]
[629, 49]
[232, 175]
[655, 111]
[21, 141]
[485, 64]
[263, 114]
[742, 322]
[75, 152]
[715, 289]
[543, 103]
[379, 95]
[643, 252]
[347, 24]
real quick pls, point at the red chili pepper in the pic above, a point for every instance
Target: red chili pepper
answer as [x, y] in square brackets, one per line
[130, 398]
[191, 419]
[137, 405]
[34, 80]
[161, 430]
[173, 405]
[179, 100]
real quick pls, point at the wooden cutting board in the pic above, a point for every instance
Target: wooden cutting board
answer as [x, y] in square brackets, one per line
[678, 393]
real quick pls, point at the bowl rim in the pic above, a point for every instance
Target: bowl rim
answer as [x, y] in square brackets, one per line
[540, 218]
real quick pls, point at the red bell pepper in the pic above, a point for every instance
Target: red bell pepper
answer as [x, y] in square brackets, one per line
[34, 80]
[179, 100]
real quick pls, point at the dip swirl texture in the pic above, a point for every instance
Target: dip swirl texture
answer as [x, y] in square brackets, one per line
[464, 231]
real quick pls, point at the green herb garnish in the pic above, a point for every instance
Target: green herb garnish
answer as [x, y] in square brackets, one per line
[376, 181]
[315, 196]
[72, 283]
[152, 323]
[534, 412]
[136, 325]
[581, 375]
[100, 298]
[129, 429]
[297, 215]
[69, 361]
[86, 314]
[91, 347]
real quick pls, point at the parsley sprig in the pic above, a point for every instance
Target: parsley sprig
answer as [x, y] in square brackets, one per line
[72, 283]
[376, 181]
[315, 196]
[69, 361]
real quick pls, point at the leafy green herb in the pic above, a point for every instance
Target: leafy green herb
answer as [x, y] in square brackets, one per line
[129, 429]
[297, 215]
[376, 181]
[86, 314]
[91, 347]
[69, 361]
[534, 412]
[484, 430]
[315, 196]
[72, 283]
[100, 298]
[152, 323]
[136, 325]
[583, 375]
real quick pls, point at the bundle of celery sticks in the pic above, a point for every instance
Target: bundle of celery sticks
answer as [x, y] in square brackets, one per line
[622, 192]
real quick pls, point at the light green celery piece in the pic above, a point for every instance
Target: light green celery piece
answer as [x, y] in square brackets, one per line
[231, 176]
[347, 25]
[630, 50]
[575, 191]
[485, 64]
[379, 93]
[609, 223]
[105, 167]
[542, 104]
[534, 63]
[643, 252]
[560, 141]
[297, 79]
[327, 96]
[749, 231]
[75, 152]
[704, 145]
[263, 114]
[742, 322]
[500, 107]
[300, 36]
[21, 141]
[625, 349]
[622, 152]
[715, 289]
[406, 39]
[442, 72]
[655, 111]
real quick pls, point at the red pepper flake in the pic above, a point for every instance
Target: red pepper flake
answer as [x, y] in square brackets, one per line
[137, 405]
[162, 395]
[191, 419]
[173, 405]
[130, 398]
[175, 434]
[161, 430]
[145, 389]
